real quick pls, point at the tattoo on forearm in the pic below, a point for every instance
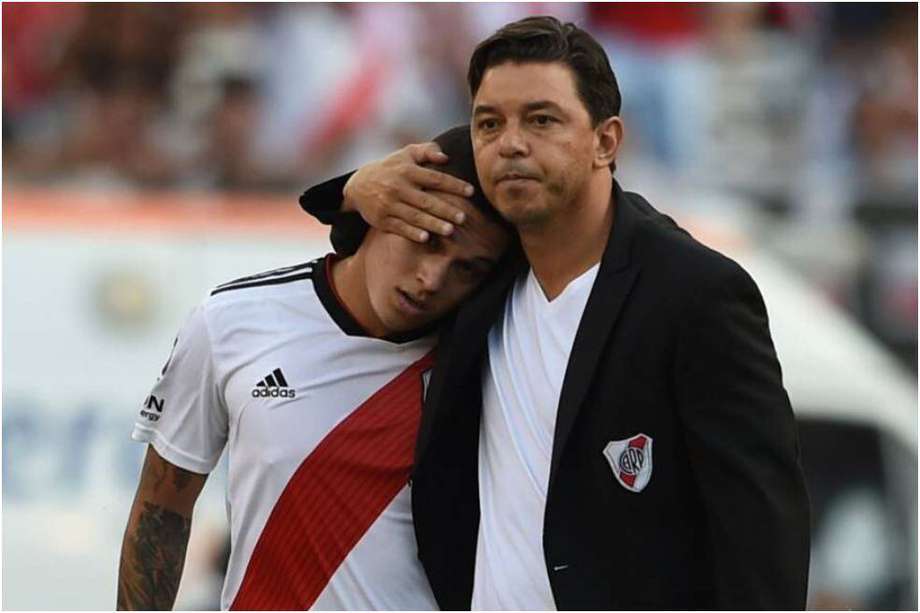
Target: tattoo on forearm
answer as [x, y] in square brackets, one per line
[151, 564]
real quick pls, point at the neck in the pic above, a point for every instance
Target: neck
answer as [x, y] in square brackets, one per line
[561, 248]
[349, 283]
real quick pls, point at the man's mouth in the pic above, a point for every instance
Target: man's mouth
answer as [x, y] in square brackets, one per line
[515, 176]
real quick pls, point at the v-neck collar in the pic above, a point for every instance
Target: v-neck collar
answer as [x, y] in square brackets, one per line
[532, 284]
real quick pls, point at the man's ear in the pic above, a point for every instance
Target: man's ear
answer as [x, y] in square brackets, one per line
[607, 138]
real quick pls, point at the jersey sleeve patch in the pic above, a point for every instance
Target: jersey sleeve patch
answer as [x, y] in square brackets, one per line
[184, 416]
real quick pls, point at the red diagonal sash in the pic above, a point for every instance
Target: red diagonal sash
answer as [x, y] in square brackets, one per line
[334, 496]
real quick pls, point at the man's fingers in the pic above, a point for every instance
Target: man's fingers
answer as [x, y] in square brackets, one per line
[429, 178]
[420, 219]
[433, 205]
[398, 226]
[427, 153]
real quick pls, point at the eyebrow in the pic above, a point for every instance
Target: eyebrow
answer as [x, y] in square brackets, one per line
[485, 260]
[536, 105]
[482, 109]
[488, 262]
[539, 105]
[479, 259]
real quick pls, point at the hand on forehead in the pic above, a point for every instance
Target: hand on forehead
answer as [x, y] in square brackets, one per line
[478, 227]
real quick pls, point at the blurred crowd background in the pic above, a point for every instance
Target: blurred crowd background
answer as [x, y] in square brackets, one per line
[788, 126]
[808, 110]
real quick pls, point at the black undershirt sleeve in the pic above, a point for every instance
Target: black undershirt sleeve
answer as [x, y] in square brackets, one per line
[324, 202]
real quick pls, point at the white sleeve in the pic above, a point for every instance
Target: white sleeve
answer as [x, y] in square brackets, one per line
[184, 417]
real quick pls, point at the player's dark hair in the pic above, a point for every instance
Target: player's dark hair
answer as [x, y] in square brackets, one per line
[461, 163]
[546, 39]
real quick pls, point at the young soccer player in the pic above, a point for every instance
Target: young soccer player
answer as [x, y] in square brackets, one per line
[313, 377]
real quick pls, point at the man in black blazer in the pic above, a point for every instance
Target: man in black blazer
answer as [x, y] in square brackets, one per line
[669, 476]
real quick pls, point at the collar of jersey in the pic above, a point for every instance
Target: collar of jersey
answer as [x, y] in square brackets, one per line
[322, 281]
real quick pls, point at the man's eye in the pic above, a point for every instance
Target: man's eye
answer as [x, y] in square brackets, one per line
[487, 124]
[543, 120]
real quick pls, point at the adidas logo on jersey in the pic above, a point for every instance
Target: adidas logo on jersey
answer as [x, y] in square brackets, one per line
[273, 386]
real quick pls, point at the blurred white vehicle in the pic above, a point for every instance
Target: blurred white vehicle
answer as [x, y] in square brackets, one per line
[857, 413]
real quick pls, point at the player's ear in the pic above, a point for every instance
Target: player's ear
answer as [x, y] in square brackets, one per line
[607, 138]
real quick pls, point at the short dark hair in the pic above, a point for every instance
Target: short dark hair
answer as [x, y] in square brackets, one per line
[546, 39]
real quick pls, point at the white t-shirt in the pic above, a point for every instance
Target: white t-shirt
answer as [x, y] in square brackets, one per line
[320, 423]
[528, 353]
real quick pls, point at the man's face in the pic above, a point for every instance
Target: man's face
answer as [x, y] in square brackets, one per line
[412, 284]
[533, 140]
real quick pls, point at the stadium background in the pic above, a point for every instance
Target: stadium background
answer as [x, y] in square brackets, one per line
[151, 152]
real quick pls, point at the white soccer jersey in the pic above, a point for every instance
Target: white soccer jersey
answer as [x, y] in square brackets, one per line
[320, 421]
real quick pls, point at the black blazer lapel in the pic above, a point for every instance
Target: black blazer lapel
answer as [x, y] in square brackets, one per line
[614, 281]
[462, 345]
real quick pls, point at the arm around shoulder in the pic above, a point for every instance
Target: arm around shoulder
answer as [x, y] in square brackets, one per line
[396, 194]
[327, 204]
[743, 447]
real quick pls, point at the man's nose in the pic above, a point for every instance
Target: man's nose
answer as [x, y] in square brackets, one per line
[432, 274]
[513, 142]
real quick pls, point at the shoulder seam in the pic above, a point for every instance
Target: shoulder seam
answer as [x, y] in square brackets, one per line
[210, 342]
[308, 273]
[271, 277]
[276, 272]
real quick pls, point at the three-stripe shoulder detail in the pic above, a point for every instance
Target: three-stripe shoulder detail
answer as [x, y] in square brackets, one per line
[271, 277]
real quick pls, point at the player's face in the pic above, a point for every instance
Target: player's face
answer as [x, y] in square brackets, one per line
[533, 140]
[412, 284]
